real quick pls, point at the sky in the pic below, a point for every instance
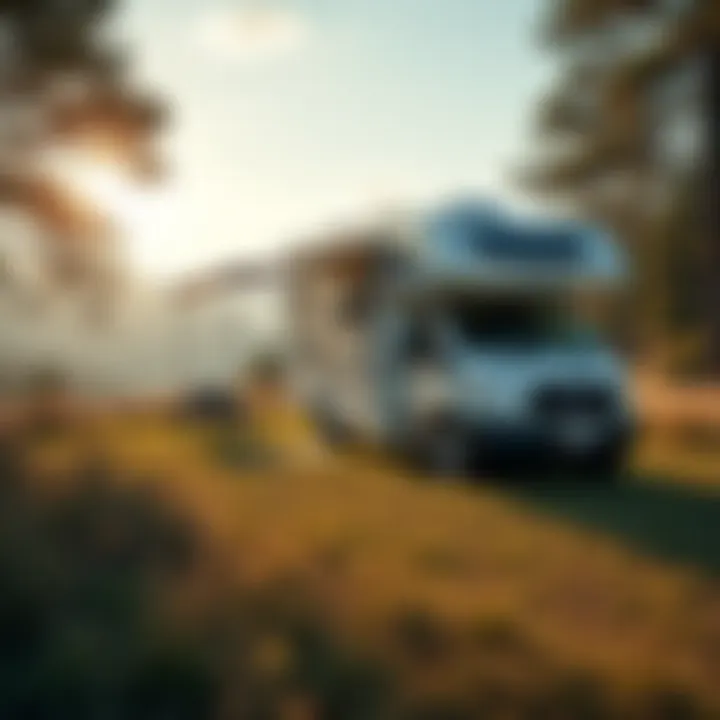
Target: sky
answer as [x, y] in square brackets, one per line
[288, 114]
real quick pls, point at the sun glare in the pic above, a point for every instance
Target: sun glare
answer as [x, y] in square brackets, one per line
[112, 193]
[135, 210]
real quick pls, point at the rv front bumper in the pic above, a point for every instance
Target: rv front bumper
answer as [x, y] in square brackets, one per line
[535, 446]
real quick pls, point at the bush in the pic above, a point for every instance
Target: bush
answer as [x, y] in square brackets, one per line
[84, 628]
[78, 608]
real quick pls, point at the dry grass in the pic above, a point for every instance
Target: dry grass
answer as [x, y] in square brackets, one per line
[681, 429]
[468, 603]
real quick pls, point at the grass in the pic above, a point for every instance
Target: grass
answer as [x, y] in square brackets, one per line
[681, 424]
[318, 587]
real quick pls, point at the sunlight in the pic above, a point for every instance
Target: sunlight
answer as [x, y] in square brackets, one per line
[107, 188]
[137, 211]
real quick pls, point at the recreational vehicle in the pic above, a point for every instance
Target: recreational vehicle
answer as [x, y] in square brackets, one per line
[457, 335]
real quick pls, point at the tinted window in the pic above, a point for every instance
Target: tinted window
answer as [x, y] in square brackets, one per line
[506, 240]
[420, 343]
[518, 244]
[514, 323]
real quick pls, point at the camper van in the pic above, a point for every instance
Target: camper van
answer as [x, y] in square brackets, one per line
[457, 336]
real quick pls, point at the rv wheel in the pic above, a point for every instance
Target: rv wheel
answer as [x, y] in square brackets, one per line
[331, 430]
[606, 466]
[441, 448]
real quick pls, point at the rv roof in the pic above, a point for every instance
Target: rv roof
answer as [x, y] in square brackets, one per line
[492, 246]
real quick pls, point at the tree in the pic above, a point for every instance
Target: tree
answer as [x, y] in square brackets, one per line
[604, 116]
[64, 87]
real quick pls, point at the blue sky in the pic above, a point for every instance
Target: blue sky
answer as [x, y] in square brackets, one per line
[327, 107]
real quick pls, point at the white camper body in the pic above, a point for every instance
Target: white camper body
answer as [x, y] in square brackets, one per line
[454, 335]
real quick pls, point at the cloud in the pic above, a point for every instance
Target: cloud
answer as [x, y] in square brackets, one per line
[252, 34]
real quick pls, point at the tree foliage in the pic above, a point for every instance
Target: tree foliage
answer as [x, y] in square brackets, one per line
[61, 69]
[605, 103]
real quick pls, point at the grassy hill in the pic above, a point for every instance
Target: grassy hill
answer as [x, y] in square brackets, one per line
[150, 572]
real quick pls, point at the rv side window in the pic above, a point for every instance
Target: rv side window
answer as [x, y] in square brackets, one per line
[420, 343]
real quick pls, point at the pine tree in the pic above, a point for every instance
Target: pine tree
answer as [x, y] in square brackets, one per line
[603, 126]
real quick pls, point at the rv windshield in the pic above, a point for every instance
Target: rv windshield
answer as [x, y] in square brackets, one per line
[515, 322]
